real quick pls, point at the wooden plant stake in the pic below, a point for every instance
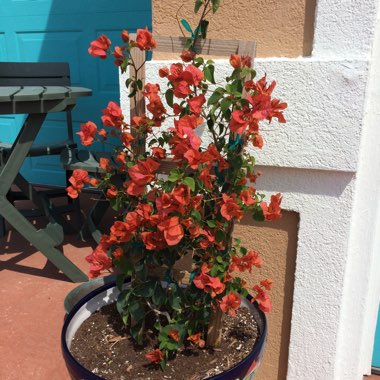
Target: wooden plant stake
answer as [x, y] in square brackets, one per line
[214, 333]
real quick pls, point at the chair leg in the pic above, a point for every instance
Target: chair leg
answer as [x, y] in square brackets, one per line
[3, 229]
[3, 226]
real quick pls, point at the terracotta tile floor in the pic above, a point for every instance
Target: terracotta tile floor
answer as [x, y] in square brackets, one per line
[31, 313]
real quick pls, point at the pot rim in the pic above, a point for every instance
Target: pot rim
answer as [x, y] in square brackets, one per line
[66, 352]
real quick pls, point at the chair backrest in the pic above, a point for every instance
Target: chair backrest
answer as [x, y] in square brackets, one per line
[34, 74]
[37, 74]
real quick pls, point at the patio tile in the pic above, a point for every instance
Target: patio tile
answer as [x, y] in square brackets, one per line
[31, 314]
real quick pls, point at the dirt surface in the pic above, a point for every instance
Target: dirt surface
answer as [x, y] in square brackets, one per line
[102, 346]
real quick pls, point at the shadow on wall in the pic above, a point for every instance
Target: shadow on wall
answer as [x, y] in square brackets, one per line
[277, 244]
[309, 24]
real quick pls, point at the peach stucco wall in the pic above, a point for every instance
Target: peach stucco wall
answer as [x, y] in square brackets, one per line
[277, 244]
[282, 28]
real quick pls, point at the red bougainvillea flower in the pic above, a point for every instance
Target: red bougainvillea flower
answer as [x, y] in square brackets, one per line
[258, 141]
[230, 208]
[143, 172]
[273, 211]
[122, 231]
[99, 260]
[112, 116]
[246, 196]
[235, 61]
[99, 47]
[163, 72]
[155, 356]
[265, 304]
[184, 129]
[196, 104]
[206, 178]
[103, 133]
[261, 86]
[181, 194]
[87, 133]
[118, 253]
[238, 122]
[177, 109]
[156, 107]
[118, 53]
[196, 339]
[104, 164]
[153, 241]
[125, 35]
[197, 75]
[230, 303]
[267, 284]
[112, 192]
[172, 230]
[245, 263]
[151, 89]
[159, 153]
[77, 181]
[238, 62]
[187, 55]
[145, 40]
[209, 284]
[173, 334]
[72, 192]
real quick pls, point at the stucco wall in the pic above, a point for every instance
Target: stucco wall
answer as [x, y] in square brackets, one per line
[281, 28]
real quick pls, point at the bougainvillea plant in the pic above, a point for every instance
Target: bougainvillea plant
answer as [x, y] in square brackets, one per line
[190, 211]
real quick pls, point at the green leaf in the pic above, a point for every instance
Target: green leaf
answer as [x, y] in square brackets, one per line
[204, 27]
[169, 97]
[189, 182]
[199, 61]
[258, 215]
[211, 224]
[214, 98]
[198, 4]
[120, 280]
[174, 297]
[220, 260]
[122, 300]
[219, 235]
[158, 297]
[187, 26]
[225, 104]
[139, 84]
[188, 43]
[137, 332]
[215, 5]
[195, 214]
[137, 310]
[209, 73]
[146, 289]
[174, 176]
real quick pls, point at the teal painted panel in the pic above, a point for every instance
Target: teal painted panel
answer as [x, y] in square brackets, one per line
[376, 351]
[61, 31]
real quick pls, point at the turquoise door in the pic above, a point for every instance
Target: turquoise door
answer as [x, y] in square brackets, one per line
[61, 31]
[376, 351]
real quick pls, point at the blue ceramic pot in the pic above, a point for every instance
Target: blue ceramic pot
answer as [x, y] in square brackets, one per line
[108, 293]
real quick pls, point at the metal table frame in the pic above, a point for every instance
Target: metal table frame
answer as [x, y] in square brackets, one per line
[37, 102]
